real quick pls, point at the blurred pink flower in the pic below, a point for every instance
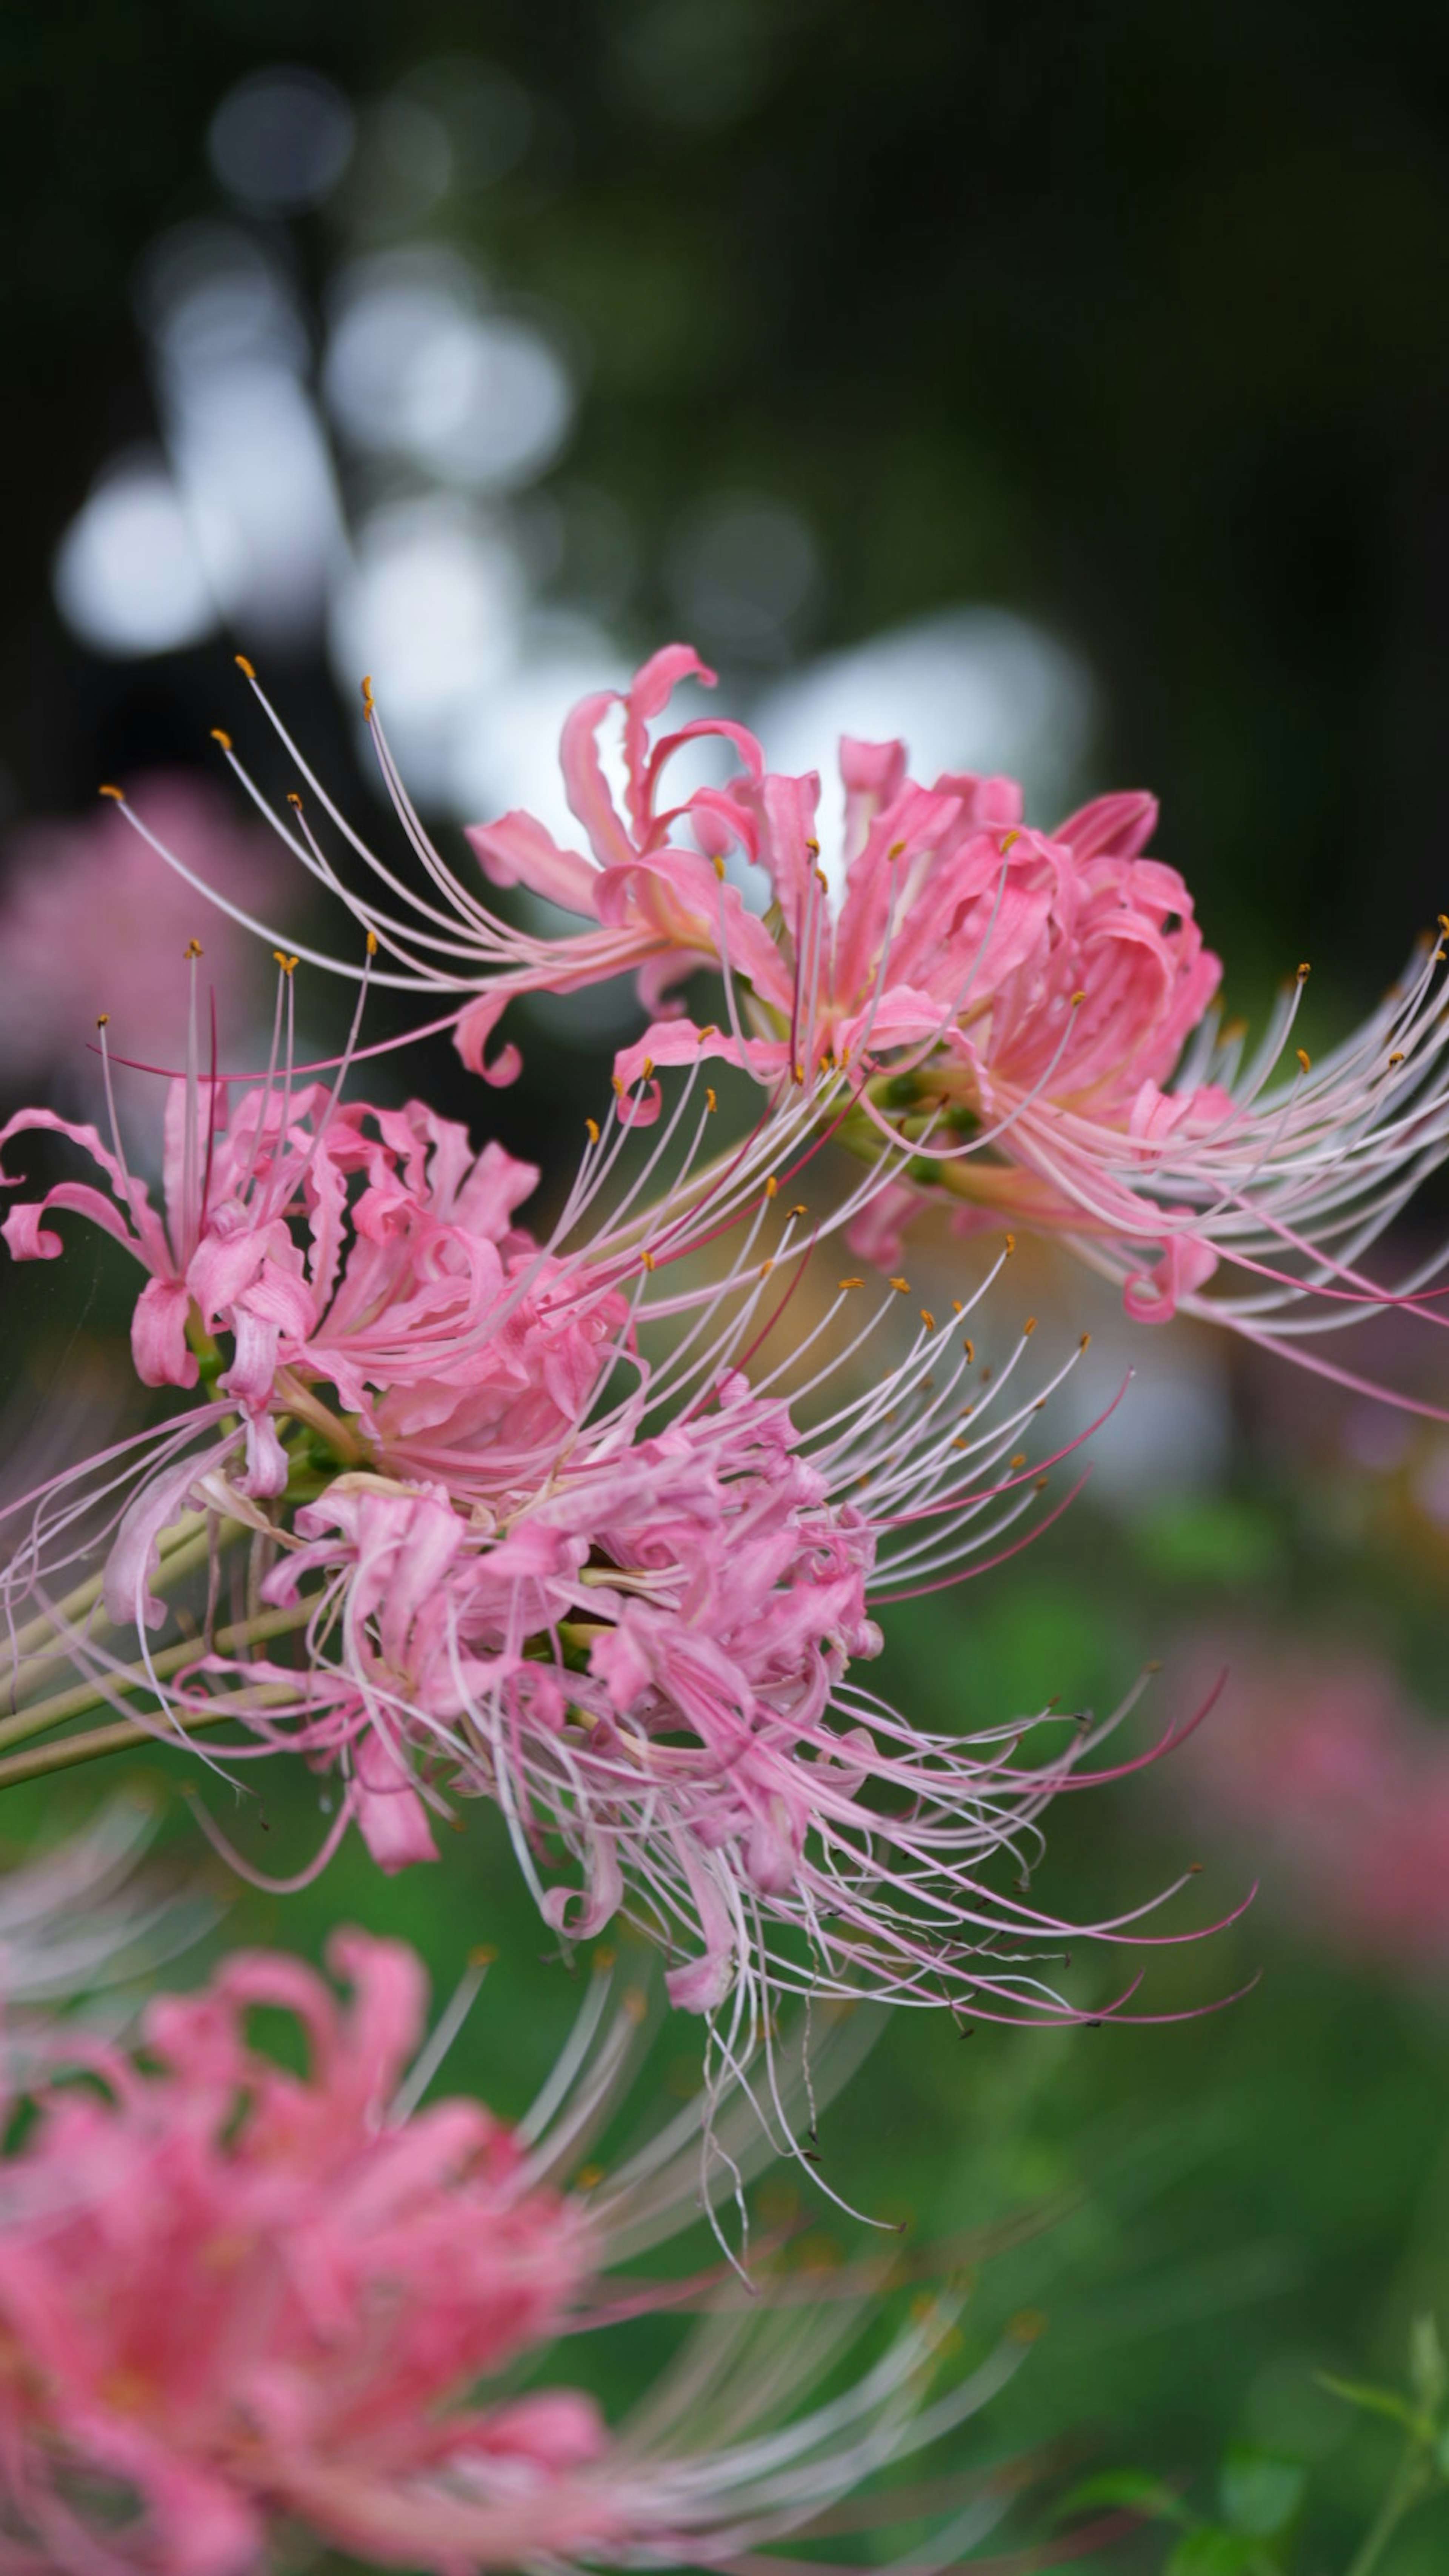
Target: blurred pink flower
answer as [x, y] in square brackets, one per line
[1322, 1763]
[235, 2300]
[92, 921]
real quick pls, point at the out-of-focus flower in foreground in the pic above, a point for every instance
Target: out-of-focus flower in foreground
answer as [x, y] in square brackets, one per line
[1018, 1023]
[257, 2300]
[89, 923]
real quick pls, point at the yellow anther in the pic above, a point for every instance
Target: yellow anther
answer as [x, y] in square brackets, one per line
[719, 869]
[588, 2177]
[1030, 1325]
[710, 1030]
[117, 795]
[286, 963]
[798, 1073]
[372, 943]
[928, 1319]
[765, 1269]
[1011, 1243]
[710, 1101]
[897, 850]
[482, 1955]
[223, 738]
[1305, 1059]
[646, 1071]
[956, 1306]
[648, 1260]
[852, 1283]
[248, 669]
[1007, 838]
[1040, 1484]
[1020, 1459]
[603, 1960]
[812, 846]
[294, 800]
[592, 1125]
[193, 948]
[1082, 1344]
[1304, 971]
[367, 693]
[1444, 923]
[104, 1021]
[1078, 997]
[969, 1347]
[771, 1187]
[902, 1287]
[822, 880]
[799, 1208]
[1397, 1059]
[618, 1086]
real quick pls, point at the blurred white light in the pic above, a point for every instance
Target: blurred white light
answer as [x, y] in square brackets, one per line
[973, 688]
[388, 312]
[249, 454]
[432, 609]
[741, 571]
[128, 576]
[254, 470]
[208, 297]
[487, 402]
[411, 364]
[508, 751]
[281, 139]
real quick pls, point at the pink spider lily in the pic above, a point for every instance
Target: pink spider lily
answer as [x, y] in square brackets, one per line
[647, 1659]
[258, 2301]
[1024, 1020]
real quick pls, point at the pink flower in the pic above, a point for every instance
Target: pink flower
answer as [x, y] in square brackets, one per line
[547, 1545]
[650, 1666]
[91, 921]
[1020, 1020]
[235, 2300]
[416, 1299]
[1321, 1764]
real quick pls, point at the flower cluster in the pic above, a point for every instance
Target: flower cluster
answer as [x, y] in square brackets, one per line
[522, 1525]
[595, 1520]
[237, 2301]
[1019, 1024]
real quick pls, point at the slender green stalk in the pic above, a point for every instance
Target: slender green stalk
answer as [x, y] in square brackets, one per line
[1411, 2483]
[126, 1735]
[181, 1560]
[182, 1533]
[43, 1714]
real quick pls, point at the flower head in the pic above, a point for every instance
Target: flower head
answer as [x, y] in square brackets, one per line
[237, 2300]
[1019, 1023]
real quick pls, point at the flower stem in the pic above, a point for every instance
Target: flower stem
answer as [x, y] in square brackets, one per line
[127, 1734]
[1411, 2482]
[43, 1714]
